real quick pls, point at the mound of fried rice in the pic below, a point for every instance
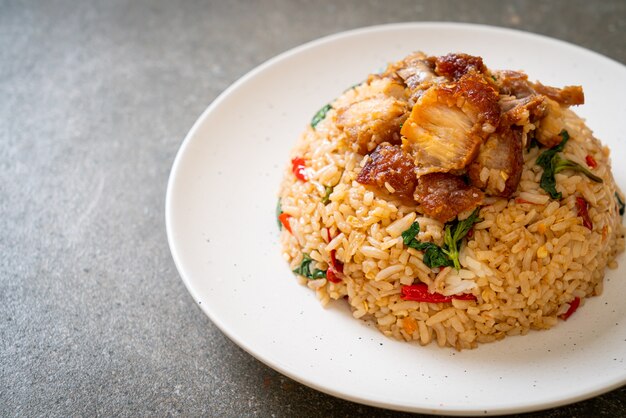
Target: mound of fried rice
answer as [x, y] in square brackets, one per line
[525, 262]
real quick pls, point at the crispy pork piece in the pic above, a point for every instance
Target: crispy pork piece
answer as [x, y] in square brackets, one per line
[568, 95]
[521, 111]
[449, 123]
[391, 169]
[498, 168]
[455, 66]
[443, 196]
[416, 72]
[551, 125]
[513, 83]
[372, 121]
[380, 86]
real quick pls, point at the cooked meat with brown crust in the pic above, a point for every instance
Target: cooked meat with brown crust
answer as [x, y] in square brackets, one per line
[480, 95]
[389, 164]
[416, 71]
[443, 196]
[449, 123]
[372, 121]
[549, 128]
[521, 111]
[393, 69]
[464, 119]
[513, 83]
[498, 168]
[568, 95]
[455, 66]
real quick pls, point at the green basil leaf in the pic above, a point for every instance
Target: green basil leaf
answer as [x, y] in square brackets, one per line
[560, 164]
[327, 191]
[279, 211]
[320, 115]
[411, 233]
[548, 182]
[434, 256]
[304, 269]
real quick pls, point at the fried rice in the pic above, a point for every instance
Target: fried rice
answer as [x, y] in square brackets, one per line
[527, 262]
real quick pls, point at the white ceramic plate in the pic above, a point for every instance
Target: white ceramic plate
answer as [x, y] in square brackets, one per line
[223, 235]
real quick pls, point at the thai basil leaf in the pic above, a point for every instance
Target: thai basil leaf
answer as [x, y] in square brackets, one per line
[552, 164]
[320, 115]
[304, 269]
[454, 234]
[559, 164]
[435, 256]
[327, 191]
[448, 255]
[548, 182]
[279, 211]
[545, 157]
[410, 234]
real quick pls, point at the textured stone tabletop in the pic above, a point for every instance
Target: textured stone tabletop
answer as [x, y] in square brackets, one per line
[95, 99]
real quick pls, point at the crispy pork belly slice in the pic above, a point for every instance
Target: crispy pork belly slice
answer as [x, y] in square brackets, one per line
[498, 167]
[455, 66]
[391, 169]
[568, 95]
[449, 123]
[521, 111]
[413, 70]
[513, 83]
[443, 196]
[551, 125]
[416, 72]
[387, 87]
[372, 121]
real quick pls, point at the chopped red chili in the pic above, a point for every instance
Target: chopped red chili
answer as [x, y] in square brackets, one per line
[419, 293]
[284, 219]
[591, 162]
[298, 167]
[573, 305]
[583, 212]
[332, 275]
[336, 267]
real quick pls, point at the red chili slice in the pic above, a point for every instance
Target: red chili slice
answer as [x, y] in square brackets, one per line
[336, 267]
[284, 219]
[591, 162]
[419, 293]
[298, 167]
[573, 305]
[332, 276]
[583, 212]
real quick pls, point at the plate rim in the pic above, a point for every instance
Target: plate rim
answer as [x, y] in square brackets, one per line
[284, 369]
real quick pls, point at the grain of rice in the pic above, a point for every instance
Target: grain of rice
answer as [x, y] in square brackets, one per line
[388, 272]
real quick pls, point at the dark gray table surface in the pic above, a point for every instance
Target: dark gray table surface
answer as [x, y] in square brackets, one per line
[95, 99]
